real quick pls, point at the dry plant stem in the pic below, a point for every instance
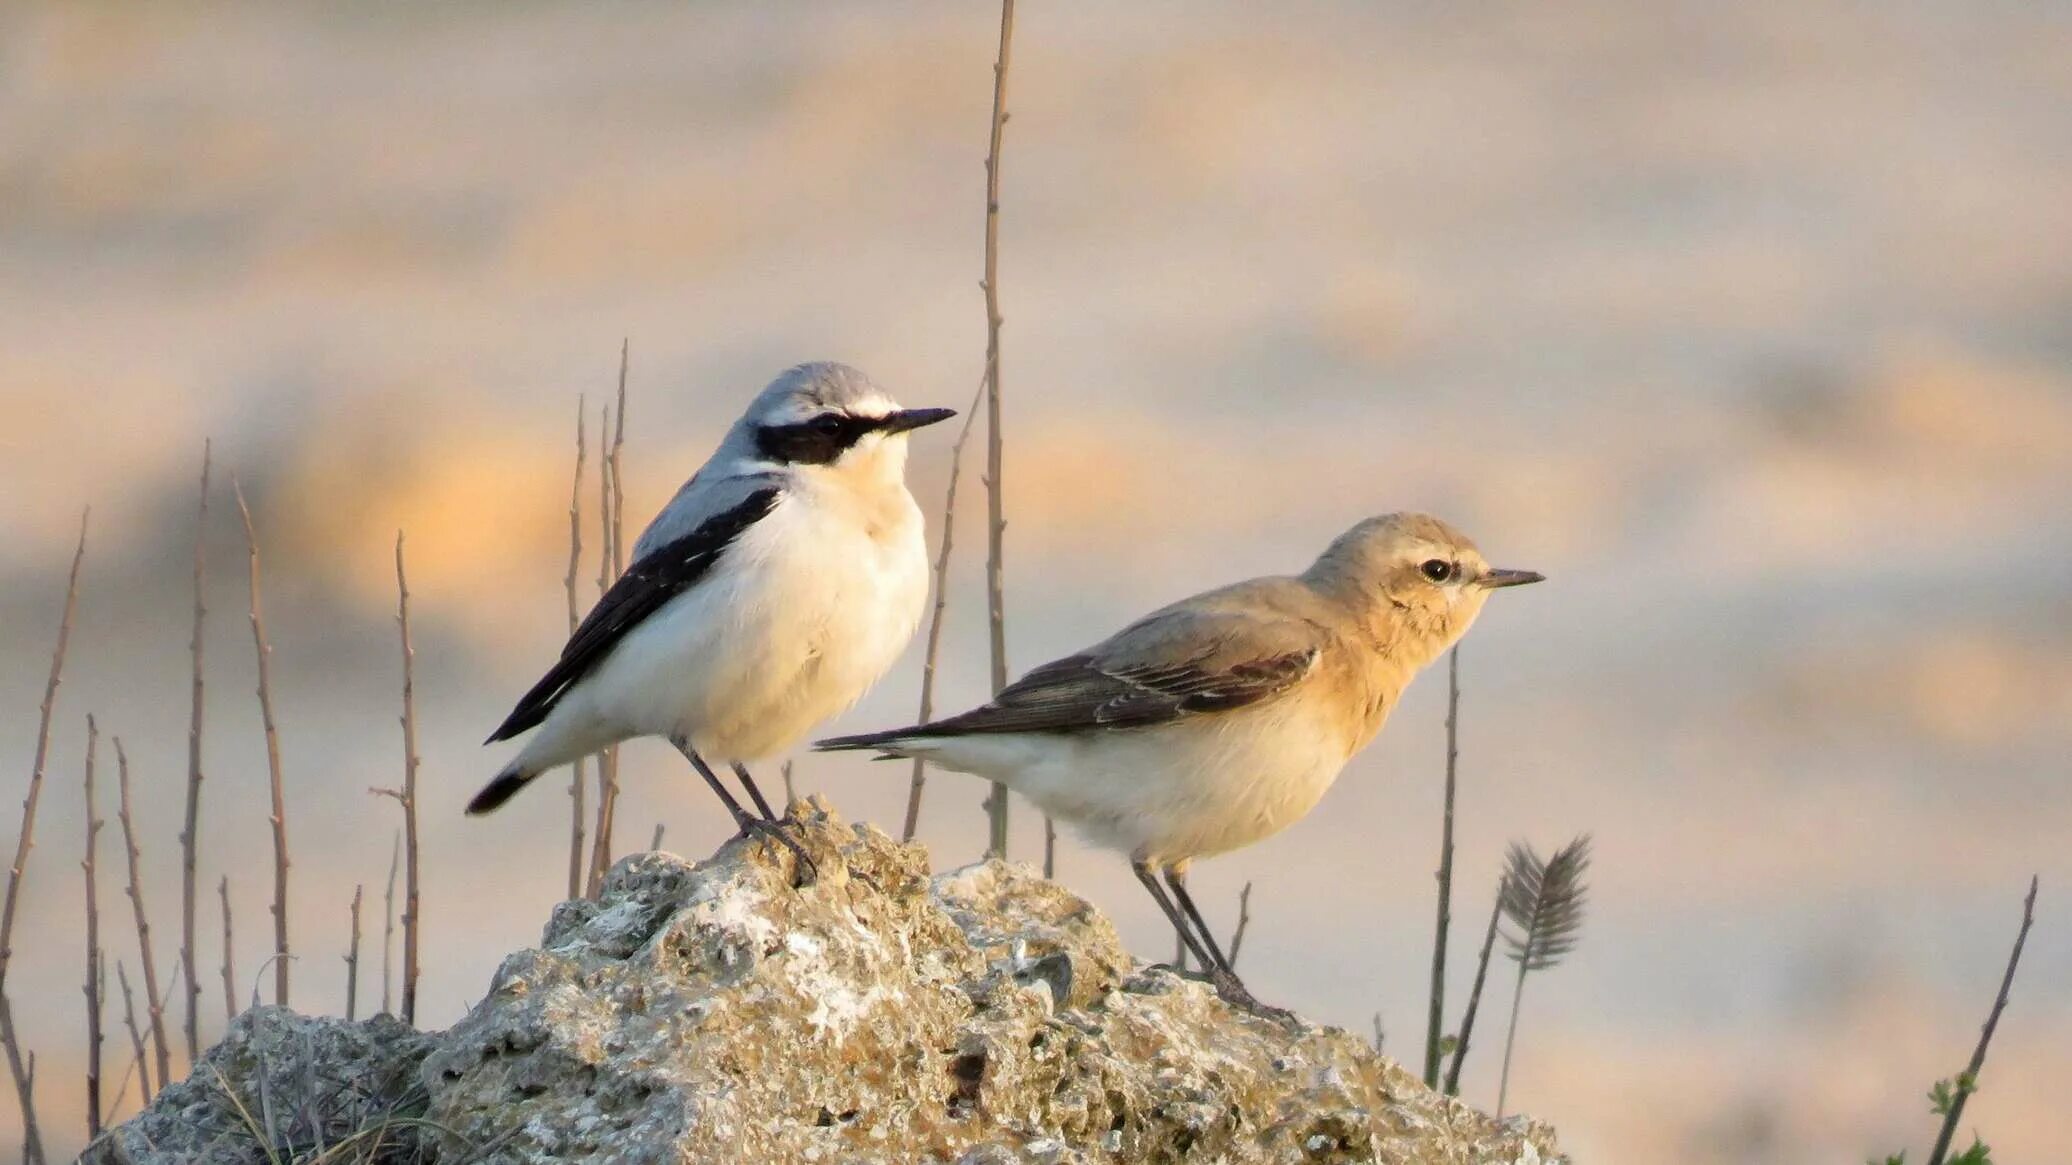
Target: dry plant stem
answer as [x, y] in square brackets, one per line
[94, 1038]
[1503, 1086]
[618, 511]
[1435, 1016]
[352, 960]
[146, 959]
[1467, 1019]
[30, 1149]
[935, 616]
[790, 793]
[122, 1082]
[17, 1065]
[273, 759]
[608, 554]
[1244, 922]
[190, 831]
[996, 521]
[655, 843]
[136, 1034]
[580, 773]
[407, 797]
[388, 925]
[229, 954]
[1968, 1082]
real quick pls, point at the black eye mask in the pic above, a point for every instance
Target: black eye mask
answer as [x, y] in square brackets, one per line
[815, 442]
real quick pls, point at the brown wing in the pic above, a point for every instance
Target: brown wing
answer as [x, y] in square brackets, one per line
[1180, 662]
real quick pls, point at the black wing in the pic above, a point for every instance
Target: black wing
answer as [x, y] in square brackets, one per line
[666, 572]
[1136, 680]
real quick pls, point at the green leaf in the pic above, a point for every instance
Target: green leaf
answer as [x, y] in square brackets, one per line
[1978, 1154]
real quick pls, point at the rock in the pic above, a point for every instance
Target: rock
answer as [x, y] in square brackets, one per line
[286, 1087]
[712, 1013]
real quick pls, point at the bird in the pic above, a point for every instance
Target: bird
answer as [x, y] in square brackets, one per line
[1221, 719]
[778, 584]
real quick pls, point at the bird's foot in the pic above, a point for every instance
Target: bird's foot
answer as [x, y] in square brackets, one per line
[804, 871]
[1233, 991]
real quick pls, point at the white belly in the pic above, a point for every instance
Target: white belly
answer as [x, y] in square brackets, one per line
[801, 616]
[1199, 787]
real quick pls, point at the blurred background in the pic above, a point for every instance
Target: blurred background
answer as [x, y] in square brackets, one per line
[1751, 326]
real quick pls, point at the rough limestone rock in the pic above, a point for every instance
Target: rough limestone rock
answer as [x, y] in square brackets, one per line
[285, 1087]
[712, 1013]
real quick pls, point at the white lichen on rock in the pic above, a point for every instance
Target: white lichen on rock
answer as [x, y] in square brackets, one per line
[712, 1013]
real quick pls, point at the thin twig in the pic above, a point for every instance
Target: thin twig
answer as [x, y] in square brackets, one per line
[17, 1065]
[610, 559]
[279, 817]
[790, 793]
[1244, 922]
[229, 954]
[655, 843]
[996, 521]
[1380, 1036]
[577, 811]
[146, 959]
[935, 616]
[94, 1038]
[1467, 1019]
[30, 1148]
[407, 796]
[352, 960]
[1503, 1086]
[1435, 1016]
[190, 832]
[618, 514]
[1967, 1083]
[388, 925]
[136, 1034]
[137, 1066]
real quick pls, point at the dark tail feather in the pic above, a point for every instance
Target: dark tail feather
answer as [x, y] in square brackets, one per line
[866, 740]
[498, 791]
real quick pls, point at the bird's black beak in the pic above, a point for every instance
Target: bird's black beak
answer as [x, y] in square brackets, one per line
[1510, 578]
[906, 419]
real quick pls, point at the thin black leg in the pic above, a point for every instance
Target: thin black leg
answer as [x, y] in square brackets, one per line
[1228, 985]
[1178, 881]
[745, 821]
[1172, 913]
[748, 783]
[741, 818]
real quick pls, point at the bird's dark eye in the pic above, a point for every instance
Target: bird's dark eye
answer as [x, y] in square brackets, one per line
[1437, 569]
[828, 422]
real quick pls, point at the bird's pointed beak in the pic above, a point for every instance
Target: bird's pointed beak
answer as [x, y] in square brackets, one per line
[906, 419]
[1510, 578]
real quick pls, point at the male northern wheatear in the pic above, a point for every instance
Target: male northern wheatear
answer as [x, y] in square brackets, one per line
[1223, 718]
[771, 592]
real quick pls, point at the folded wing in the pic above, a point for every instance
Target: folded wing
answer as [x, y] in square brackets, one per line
[656, 577]
[1180, 662]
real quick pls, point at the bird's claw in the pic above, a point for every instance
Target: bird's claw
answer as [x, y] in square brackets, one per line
[805, 870]
[1232, 991]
